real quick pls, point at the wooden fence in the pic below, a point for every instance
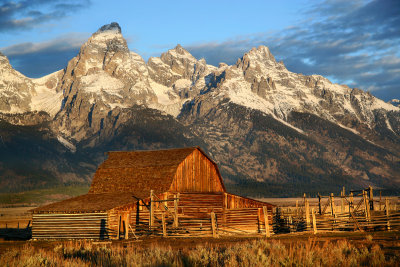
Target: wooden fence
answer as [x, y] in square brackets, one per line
[199, 215]
[357, 211]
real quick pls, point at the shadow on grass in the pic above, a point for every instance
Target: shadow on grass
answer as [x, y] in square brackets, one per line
[11, 234]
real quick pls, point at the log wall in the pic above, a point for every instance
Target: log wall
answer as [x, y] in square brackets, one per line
[70, 226]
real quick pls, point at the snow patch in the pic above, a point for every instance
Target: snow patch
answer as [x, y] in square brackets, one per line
[66, 143]
[168, 101]
[349, 129]
[44, 98]
[380, 104]
[96, 83]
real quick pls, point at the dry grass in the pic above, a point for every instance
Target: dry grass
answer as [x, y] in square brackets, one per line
[247, 253]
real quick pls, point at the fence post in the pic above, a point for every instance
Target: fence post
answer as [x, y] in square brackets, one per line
[266, 222]
[297, 208]
[225, 208]
[164, 227]
[366, 205]
[380, 200]
[333, 211]
[126, 229]
[213, 226]
[175, 211]
[319, 204]
[332, 204]
[151, 222]
[342, 194]
[314, 221]
[371, 198]
[387, 213]
[307, 207]
[351, 206]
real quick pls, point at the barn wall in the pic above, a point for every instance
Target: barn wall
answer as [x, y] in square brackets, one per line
[196, 174]
[70, 226]
[238, 202]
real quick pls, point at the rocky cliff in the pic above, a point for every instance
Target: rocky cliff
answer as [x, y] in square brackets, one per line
[271, 131]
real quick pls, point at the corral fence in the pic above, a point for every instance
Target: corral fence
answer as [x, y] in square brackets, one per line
[197, 215]
[356, 211]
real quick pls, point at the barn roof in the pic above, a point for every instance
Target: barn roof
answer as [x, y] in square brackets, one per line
[89, 203]
[126, 176]
[138, 172]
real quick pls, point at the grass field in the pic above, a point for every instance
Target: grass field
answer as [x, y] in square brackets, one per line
[376, 249]
[304, 249]
[41, 196]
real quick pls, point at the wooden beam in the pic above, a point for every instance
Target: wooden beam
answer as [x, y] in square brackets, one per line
[266, 222]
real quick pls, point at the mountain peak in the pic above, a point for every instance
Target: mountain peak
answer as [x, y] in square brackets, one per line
[261, 52]
[180, 50]
[112, 27]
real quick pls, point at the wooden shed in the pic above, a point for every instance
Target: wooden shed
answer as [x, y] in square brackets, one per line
[166, 192]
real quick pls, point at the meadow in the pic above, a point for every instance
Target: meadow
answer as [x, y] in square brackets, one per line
[376, 249]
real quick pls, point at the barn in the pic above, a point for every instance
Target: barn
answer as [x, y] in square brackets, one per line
[173, 192]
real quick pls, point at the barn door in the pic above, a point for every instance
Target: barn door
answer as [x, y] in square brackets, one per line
[123, 224]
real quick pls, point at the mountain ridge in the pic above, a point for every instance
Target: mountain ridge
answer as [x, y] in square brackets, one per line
[309, 121]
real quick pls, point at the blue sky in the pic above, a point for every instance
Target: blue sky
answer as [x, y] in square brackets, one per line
[352, 42]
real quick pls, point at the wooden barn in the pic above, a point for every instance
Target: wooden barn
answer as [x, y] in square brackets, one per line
[174, 192]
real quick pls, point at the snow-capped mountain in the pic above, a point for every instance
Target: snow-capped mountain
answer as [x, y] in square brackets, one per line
[266, 126]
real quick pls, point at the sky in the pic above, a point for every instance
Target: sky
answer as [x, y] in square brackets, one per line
[350, 42]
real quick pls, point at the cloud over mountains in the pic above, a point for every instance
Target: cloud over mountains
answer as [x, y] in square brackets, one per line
[22, 15]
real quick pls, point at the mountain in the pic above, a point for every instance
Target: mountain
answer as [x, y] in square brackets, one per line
[395, 102]
[272, 131]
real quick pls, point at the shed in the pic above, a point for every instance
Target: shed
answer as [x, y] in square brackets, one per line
[145, 192]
